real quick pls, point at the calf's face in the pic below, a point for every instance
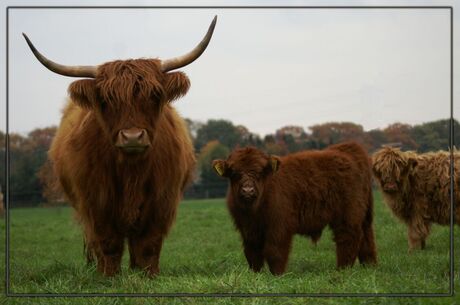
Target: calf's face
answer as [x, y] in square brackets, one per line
[247, 170]
[392, 170]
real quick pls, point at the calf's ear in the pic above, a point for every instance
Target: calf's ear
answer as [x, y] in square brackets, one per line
[220, 166]
[275, 163]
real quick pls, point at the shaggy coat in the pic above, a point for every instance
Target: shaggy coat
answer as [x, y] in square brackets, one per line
[117, 194]
[272, 198]
[416, 187]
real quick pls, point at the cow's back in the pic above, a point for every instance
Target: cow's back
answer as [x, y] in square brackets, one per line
[432, 180]
[362, 170]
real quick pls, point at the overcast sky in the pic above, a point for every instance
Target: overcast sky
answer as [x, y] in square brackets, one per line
[264, 68]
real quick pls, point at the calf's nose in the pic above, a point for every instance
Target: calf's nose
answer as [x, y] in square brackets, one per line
[248, 190]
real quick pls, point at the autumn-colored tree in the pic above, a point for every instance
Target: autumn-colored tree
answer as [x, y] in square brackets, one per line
[27, 156]
[193, 127]
[336, 132]
[51, 190]
[210, 184]
[247, 138]
[376, 138]
[32, 180]
[221, 130]
[400, 134]
[41, 138]
[271, 146]
[434, 135]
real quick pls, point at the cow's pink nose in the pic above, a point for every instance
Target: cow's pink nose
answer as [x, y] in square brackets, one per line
[132, 139]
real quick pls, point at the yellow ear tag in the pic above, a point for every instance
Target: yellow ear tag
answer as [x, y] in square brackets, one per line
[219, 169]
[274, 163]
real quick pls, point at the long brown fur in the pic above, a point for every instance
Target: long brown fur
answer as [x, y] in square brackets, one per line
[309, 191]
[416, 187]
[118, 196]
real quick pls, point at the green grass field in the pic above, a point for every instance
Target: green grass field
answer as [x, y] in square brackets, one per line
[203, 254]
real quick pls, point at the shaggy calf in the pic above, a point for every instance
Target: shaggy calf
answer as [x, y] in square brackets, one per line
[416, 187]
[272, 198]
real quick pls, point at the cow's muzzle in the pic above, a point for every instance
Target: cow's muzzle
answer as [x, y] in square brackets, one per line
[248, 193]
[132, 140]
[390, 187]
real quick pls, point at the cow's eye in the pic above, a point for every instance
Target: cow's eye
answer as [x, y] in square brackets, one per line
[103, 106]
[235, 175]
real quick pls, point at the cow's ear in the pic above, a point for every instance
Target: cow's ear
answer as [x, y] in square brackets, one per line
[176, 85]
[84, 93]
[409, 167]
[411, 163]
[220, 166]
[275, 163]
[373, 163]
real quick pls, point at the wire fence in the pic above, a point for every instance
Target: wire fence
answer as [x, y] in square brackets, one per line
[194, 191]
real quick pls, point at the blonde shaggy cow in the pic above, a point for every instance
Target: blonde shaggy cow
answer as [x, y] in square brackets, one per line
[416, 187]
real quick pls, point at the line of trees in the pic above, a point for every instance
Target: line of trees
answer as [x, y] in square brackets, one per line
[31, 178]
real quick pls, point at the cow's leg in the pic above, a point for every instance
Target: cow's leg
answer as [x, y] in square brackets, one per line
[417, 232]
[253, 250]
[145, 250]
[276, 251]
[315, 236]
[413, 238]
[88, 251]
[109, 250]
[347, 241]
[426, 232]
[89, 245]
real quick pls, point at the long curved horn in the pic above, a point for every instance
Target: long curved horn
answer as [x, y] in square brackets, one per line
[74, 71]
[181, 61]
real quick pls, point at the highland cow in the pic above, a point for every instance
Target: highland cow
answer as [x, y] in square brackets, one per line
[272, 198]
[123, 155]
[416, 187]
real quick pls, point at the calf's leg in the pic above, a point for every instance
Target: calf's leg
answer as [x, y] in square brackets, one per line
[253, 250]
[276, 252]
[347, 241]
[367, 252]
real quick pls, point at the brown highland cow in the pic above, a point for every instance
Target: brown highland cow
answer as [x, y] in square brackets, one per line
[123, 155]
[272, 198]
[416, 187]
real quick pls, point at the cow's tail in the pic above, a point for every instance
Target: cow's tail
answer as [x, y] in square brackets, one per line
[368, 252]
[369, 218]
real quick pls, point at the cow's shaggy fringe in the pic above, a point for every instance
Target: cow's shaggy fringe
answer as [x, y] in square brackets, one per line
[421, 195]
